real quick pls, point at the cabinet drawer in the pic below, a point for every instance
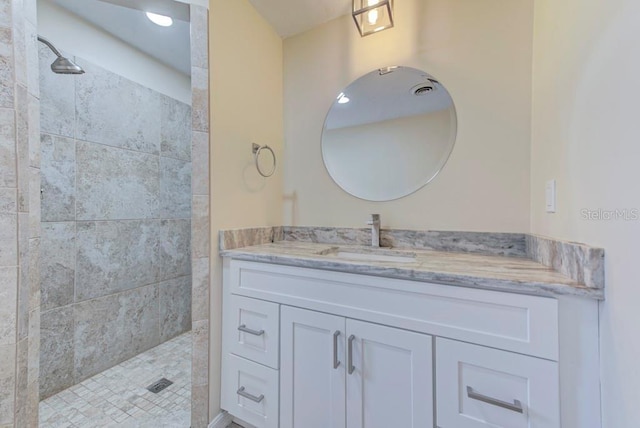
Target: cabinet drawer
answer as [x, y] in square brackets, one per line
[514, 322]
[253, 329]
[483, 387]
[250, 391]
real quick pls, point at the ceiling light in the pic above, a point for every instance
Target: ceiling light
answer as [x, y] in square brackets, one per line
[161, 20]
[372, 16]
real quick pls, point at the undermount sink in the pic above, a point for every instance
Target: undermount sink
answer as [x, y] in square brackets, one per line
[370, 255]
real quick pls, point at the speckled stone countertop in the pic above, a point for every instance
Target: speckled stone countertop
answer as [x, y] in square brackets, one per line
[491, 272]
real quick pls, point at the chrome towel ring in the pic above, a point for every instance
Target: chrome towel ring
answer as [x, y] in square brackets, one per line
[256, 149]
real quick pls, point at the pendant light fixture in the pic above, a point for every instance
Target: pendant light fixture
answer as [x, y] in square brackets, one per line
[372, 16]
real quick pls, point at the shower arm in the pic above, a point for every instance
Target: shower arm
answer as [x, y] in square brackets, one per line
[50, 46]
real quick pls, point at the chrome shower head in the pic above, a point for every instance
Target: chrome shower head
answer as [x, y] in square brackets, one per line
[61, 65]
[64, 65]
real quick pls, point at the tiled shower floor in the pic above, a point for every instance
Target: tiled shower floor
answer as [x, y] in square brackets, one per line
[118, 396]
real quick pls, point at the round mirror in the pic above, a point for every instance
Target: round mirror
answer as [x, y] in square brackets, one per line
[389, 133]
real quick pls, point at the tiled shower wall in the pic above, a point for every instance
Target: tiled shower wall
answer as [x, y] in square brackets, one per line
[19, 215]
[116, 221]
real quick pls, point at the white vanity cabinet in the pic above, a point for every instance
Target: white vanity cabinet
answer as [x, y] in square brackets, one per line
[310, 348]
[481, 387]
[338, 372]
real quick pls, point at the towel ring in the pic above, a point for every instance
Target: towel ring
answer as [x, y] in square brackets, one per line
[256, 149]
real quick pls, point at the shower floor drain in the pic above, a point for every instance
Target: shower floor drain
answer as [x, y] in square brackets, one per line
[159, 385]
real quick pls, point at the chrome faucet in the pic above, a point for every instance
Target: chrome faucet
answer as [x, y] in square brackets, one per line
[375, 230]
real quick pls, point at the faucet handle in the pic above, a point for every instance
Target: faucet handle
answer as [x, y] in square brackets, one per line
[375, 218]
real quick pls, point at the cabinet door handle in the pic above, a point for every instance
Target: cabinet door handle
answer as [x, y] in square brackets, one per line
[515, 407]
[244, 329]
[336, 362]
[241, 392]
[350, 357]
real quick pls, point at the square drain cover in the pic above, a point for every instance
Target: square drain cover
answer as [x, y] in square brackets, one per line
[159, 385]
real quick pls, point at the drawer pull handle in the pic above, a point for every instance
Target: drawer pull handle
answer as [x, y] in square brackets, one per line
[515, 407]
[336, 362]
[241, 392]
[350, 358]
[244, 329]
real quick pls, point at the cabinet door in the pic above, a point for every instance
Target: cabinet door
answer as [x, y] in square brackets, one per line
[312, 369]
[391, 379]
[480, 387]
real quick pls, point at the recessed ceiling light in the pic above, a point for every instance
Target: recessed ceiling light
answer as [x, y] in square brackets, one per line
[161, 20]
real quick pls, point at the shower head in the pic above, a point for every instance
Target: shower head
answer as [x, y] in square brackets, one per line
[64, 65]
[61, 65]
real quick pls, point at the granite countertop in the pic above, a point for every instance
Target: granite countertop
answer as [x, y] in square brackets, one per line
[491, 272]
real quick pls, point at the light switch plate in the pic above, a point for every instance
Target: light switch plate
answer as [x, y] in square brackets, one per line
[550, 195]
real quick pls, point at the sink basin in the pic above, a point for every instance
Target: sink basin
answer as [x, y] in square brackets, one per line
[370, 255]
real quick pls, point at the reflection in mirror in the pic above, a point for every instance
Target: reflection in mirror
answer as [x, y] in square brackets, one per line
[389, 133]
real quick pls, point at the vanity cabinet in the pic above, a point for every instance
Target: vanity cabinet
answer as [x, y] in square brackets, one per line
[306, 348]
[480, 387]
[338, 372]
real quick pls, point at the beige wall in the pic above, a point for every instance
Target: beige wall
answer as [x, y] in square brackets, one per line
[481, 51]
[246, 107]
[586, 134]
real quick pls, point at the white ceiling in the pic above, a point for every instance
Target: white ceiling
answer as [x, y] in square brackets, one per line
[125, 20]
[291, 17]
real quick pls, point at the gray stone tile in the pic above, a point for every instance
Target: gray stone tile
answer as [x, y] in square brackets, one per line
[34, 273]
[8, 155]
[200, 299]
[22, 148]
[175, 248]
[5, 14]
[175, 307]
[19, 43]
[58, 255]
[200, 99]
[200, 406]
[140, 329]
[8, 201]
[175, 129]
[199, 37]
[200, 368]
[6, 68]
[23, 276]
[34, 131]
[33, 363]
[8, 239]
[114, 256]
[115, 111]
[22, 383]
[35, 204]
[113, 183]
[200, 233]
[58, 174]
[108, 398]
[7, 383]
[57, 97]
[98, 337]
[200, 163]
[33, 65]
[56, 345]
[175, 188]
[34, 347]
[8, 298]
[114, 328]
